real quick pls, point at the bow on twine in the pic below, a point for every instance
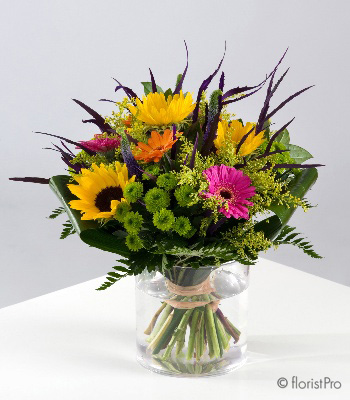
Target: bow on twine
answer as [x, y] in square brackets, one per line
[202, 288]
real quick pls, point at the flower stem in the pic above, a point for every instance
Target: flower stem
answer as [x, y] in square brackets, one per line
[199, 339]
[178, 333]
[234, 332]
[219, 335]
[168, 331]
[160, 335]
[224, 335]
[151, 325]
[212, 336]
[163, 318]
[191, 339]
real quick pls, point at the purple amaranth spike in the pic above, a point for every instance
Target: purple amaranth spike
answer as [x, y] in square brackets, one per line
[215, 106]
[269, 93]
[90, 152]
[298, 165]
[272, 113]
[69, 151]
[224, 103]
[243, 89]
[154, 86]
[108, 101]
[31, 179]
[222, 81]
[129, 159]
[271, 153]
[179, 85]
[243, 140]
[67, 158]
[274, 136]
[97, 118]
[276, 166]
[204, 86]
[239, 90]
[129, 92]
[264, 115]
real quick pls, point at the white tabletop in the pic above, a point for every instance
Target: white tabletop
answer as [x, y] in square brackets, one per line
[78, 343]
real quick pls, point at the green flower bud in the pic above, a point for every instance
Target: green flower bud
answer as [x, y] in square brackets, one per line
[134, 242]
[167, 181]
[163, 219]
[133, 222]
[156, 199]
[182, 226]
[183, 195]
[133, 191]
[122, 209]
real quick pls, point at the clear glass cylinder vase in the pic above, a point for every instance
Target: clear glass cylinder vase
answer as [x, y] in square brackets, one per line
[192, 322]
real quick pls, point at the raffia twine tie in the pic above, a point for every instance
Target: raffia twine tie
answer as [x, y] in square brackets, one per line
[204, 287]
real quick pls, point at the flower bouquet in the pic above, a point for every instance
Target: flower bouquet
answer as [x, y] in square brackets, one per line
[187, 194]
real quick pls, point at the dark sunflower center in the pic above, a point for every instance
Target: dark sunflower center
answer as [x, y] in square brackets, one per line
[225, 194]
[106, 195]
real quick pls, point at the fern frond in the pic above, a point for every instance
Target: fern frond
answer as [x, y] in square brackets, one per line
[55, 213]
[288, 236]
[113, 277]
[67, 230]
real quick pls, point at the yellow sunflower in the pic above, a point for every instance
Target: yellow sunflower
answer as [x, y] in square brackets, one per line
[100, 190]
[155, 109]
[235, 132]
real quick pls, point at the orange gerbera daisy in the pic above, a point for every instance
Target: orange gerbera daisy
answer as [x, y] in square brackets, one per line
[157, 145]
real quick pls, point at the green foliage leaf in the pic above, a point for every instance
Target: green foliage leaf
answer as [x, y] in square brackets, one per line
[58, 184]
[168, 93]
[217, 250]
[288, 236]
[283, 138]
[89, 231]
[298, 187]
[147, 87]
[103, 240]
[298, 153]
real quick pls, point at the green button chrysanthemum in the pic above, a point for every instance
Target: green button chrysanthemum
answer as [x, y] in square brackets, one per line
[133, 191]
[166, 181]
[182, 226]
[163, 219]
[122, 209]
[134, 242]
[156, 199]
[133, 222]
[183, 195]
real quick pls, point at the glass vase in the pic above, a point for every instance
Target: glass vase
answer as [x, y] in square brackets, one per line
[192, 322]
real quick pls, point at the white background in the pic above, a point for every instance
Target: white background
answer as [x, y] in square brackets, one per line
[52, 51]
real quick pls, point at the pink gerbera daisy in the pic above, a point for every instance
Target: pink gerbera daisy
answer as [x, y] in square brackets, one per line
[102, 145]
[232, 187]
